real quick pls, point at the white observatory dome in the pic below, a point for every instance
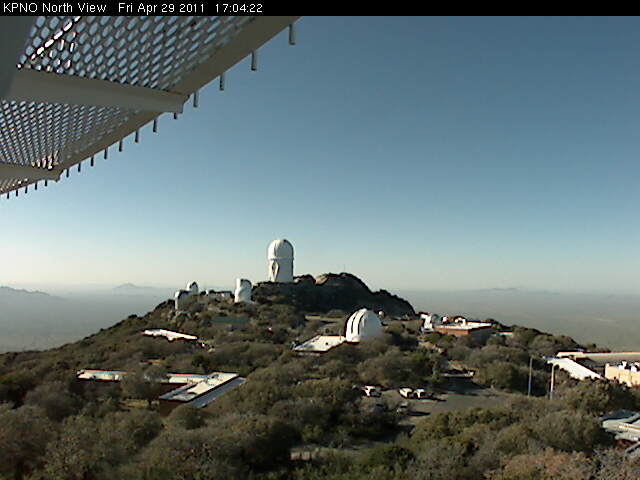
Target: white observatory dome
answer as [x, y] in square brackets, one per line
[362, 326]
[193, 288]
[243, 291]
[181, 299]
[280, 260]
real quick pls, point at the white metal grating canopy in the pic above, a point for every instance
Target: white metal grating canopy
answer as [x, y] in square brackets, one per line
[80, 84]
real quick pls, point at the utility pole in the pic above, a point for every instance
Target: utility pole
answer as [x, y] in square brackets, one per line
[530, 372]
[552, 387]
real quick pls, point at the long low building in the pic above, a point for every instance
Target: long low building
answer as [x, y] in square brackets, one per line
[573, 368]
[320, 344]
[197, 390]
[624, 424]
[168, 334]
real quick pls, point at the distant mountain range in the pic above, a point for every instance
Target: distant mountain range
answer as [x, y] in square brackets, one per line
[15, 293]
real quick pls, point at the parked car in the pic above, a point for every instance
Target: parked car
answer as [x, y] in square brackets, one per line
[421, 394]
[371, 391]
[418, 393]
[406, 392]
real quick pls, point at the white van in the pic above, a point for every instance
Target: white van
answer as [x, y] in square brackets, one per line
[371, 391]
[406, 392]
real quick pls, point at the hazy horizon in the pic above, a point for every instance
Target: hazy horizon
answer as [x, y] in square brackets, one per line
[30, 321]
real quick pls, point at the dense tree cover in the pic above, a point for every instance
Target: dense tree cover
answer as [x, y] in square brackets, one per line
[53, 426]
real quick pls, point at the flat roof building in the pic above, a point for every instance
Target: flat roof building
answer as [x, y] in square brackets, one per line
[168, 334]
[194, 389]
[319, 344]
[461, 327]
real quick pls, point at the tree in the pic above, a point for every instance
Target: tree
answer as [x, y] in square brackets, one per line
[24, 433]
[144, 384]
[187, 417]
[54, 398]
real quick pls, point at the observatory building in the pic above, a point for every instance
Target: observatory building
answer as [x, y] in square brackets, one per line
[362, 326]
[243, 291]
[280, 258]
[193, 288]
[181, 299]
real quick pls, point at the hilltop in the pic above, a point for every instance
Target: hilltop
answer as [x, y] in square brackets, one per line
[305, 407]
[331, 291]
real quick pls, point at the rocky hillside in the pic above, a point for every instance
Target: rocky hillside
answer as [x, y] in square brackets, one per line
[331, 291]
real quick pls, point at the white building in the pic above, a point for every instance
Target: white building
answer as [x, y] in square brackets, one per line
[243, 291]
[168, 334]
[362, 326]
[429, 320]
[182, 299]
[280, 259]
[192, 288]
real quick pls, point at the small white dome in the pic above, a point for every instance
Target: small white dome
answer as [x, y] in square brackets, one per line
[280, 249]
[181, 293]
[363, 325]
[243, 291]
[181, 298]
[193, 288]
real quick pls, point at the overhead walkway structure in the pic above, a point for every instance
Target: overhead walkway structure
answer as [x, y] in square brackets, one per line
[72, 87]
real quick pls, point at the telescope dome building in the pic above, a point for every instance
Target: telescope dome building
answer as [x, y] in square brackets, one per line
[181, 299]
[362, 326]
[280, 260]
[193, 288]
[242, 293]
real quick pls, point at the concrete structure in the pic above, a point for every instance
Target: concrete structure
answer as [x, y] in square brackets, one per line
[319, 344]
[182, 299]
[243, 291]
[168, 334]
[362, 326]
[624, 372]
[280, 261]
[66, 96]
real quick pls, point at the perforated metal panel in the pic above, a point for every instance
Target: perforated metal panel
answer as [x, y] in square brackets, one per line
[170, 54]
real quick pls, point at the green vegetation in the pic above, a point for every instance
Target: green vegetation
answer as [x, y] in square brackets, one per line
[53, 426]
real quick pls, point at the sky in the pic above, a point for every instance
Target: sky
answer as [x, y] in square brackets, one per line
[417, 153]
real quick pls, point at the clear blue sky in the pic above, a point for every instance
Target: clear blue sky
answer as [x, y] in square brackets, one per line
[423, 153]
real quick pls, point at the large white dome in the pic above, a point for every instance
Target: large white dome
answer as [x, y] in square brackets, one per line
[280, 261]
[362, 326]
[280, 249]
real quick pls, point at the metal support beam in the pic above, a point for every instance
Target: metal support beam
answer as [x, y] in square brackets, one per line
[14, 32]
[38, 86]
[252, 36]
[10, 171]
